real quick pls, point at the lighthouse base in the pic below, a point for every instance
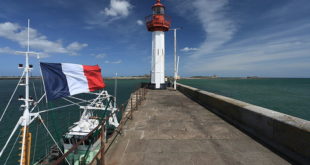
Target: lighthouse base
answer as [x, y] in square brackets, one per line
[153, 86]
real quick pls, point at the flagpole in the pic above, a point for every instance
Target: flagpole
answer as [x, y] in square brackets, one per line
[115, 89]
[26, 115]
[175, 55]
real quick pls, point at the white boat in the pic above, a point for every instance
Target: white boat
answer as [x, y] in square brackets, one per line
[88, 128]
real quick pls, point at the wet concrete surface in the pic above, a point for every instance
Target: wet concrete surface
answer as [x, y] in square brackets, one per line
[170, 129]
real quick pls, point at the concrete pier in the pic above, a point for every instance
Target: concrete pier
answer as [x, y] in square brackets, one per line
[169, 128]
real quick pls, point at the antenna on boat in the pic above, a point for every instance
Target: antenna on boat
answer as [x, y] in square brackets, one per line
[115, 89]
[25, 155]
[178, 61]
[26, 118]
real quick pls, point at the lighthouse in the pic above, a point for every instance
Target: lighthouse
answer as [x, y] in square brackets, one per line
[158, 23]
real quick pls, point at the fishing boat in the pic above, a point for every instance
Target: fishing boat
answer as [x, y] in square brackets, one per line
[85, 134]
[80, 129]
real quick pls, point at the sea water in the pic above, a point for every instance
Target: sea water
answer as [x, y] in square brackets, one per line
[286, 95]
[289, 96]
[57, 121]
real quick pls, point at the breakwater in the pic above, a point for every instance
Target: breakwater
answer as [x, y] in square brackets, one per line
[287, 134]
[285, 95]
[170, 128]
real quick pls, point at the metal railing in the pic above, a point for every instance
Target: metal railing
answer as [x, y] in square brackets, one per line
[151, 17]
[134, 101]
[153, 21]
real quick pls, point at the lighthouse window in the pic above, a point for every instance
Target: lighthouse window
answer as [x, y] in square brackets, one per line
[158, 10]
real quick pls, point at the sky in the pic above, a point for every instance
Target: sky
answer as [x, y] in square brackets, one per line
[227, 38]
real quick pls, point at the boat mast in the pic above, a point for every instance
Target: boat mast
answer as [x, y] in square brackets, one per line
[115, 89]
[26, 141]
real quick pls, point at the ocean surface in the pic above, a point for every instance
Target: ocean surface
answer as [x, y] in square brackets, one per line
[290, 96]
[57, 121]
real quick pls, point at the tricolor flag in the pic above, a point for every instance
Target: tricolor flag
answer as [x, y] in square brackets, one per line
[65, 79]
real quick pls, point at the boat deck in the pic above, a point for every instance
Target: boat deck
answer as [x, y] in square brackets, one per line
[169, 128]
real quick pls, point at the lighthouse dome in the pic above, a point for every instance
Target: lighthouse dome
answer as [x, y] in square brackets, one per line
[158, 21]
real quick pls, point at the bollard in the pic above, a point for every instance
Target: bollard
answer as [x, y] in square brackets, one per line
[139, 102]
[122, 114]
[122, 110]
[141, 97]
[143, 93]
[131, 108]
[102, 143]
[136, 107]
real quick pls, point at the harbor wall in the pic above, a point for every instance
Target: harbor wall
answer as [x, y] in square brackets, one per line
[288, 135]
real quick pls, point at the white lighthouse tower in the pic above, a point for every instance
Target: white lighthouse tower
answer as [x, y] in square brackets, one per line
[158, 24]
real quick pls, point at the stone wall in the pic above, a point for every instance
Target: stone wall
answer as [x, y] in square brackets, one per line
[288, 135]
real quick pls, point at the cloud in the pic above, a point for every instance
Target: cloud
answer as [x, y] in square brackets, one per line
[140, 22]
[270, 53]
[213, 15]
[113, 62]
[16, 33]
[100, 56]
[216, 23]
[118, 8]
[75, 46]
[269, 49]
[6, 50]
[187, 49]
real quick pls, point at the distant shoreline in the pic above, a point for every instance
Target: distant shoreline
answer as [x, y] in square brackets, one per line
[241, 78]
[183, 78]
[16, 77]
[39, 77]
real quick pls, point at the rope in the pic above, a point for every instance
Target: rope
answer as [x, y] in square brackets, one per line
[54, 126]
[12, 148]
[59, 107]
[37, 103]
[36, 137]
[7, 106]
[42, 78]
[35, 145]
[52, 137]
[73, 102]
[46, 135]
[79, 99]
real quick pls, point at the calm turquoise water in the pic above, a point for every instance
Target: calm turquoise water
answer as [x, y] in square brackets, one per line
[57, 121]
[289, 96]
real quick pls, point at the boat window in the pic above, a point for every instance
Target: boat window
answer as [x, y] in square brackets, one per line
[73, 140]
[66, 140]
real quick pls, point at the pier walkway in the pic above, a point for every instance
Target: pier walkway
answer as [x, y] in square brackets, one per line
[170, 129]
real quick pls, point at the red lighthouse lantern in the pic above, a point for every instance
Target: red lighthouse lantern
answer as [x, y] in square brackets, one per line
[158, 23]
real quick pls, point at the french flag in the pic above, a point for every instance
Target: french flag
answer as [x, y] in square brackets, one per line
[66, 79]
